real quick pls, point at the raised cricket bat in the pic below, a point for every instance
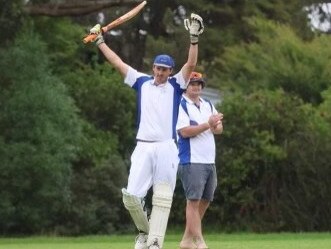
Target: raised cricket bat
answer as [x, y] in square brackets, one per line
[127, 16]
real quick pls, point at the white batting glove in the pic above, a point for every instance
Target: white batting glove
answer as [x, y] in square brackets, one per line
[97, 31]
[195, 27]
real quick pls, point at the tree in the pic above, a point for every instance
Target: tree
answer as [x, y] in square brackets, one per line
[40, 134]
[272, 161]
[12, 19]
[72, 7]
[301, 67]
[226, 22]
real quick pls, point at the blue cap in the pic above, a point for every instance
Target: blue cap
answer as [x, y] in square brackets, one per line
[164, 60]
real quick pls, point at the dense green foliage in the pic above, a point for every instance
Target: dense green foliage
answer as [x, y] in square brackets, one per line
[12, 18]
[67, 120]
[274, 154]
[40, 131]
[239, 71]
[274, 163]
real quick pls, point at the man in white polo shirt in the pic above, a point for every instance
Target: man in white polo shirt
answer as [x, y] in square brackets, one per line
[154, 161]
[197, 123]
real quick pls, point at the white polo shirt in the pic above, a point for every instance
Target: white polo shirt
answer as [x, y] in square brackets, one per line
[201, 148]
[157, 106]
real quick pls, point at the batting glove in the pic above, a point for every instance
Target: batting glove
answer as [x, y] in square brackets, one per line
[195, 27]
[96, 30]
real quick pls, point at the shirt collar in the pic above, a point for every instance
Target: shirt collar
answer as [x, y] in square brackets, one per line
[190, 101]
[152, 82]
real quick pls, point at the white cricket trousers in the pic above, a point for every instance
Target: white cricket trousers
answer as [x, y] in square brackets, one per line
[152, 163]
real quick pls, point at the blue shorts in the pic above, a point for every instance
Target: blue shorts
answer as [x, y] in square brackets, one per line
[199, 180]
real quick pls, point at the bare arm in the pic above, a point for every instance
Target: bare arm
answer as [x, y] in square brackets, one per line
[110, 55]
[214, 124]
[114, 59]
[193, 130]
[191, 62]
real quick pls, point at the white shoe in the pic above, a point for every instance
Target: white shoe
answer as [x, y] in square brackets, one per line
[155, 245]
[141, 241]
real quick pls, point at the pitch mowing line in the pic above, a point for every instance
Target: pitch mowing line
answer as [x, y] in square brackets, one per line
[215, 241]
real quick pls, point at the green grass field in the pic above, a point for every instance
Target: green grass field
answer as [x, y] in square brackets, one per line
[215, 241]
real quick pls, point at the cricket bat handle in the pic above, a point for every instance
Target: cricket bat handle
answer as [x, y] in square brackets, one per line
[91, 37]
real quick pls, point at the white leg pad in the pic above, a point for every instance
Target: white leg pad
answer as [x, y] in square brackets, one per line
[134, 205]
[162, 200]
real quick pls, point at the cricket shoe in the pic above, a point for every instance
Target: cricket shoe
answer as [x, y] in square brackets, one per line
[141, 241]
[155, 245]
